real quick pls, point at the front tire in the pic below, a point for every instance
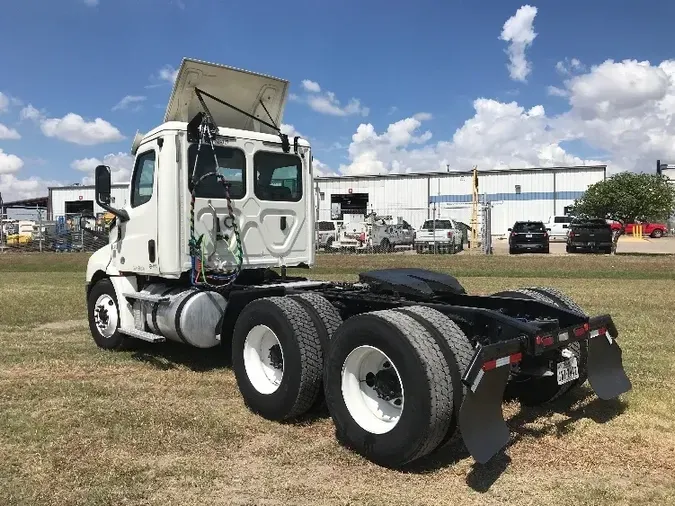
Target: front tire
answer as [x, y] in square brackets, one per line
[104, 316]
[277, 358]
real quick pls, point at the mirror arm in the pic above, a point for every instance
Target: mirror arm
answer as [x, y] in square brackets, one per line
[121, 214]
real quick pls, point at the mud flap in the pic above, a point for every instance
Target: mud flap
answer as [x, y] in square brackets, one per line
[606, 374]
[481, 419]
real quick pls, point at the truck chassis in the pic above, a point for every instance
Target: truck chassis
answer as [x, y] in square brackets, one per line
[404, 359]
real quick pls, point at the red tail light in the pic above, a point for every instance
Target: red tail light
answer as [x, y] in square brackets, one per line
[449, 235]
[362, 237]
[571, 234]
[544, 340]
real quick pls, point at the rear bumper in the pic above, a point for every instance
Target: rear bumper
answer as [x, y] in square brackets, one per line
[481, 420]
[592, 245]
[530, 246]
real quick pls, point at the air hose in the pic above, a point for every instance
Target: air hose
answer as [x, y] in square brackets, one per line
[212, 280]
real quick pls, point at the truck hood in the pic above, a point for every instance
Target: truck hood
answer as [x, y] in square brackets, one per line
[240, 88]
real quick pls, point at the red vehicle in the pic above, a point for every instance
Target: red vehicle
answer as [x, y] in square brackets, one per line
[655, 230]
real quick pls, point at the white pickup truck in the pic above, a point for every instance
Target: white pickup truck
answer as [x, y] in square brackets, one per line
[444, 234]
[558, 226]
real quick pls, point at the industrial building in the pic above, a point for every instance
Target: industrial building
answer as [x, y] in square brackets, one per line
[515, 194]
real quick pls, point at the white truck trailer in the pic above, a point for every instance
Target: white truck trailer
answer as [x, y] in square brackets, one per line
[221, 203]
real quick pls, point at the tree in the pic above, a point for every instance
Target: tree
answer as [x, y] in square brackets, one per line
[628, 197]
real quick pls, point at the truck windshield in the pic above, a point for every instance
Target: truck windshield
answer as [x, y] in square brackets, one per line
[278, 176]
[529, 227]
[231, 165]
[442, 224]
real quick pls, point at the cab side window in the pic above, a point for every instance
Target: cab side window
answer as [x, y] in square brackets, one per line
[143, 179]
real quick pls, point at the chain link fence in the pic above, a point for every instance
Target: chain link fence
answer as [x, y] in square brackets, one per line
[441, 229]
[437, 229]
[28, 230]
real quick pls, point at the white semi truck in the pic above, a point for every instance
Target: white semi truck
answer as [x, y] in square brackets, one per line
[221, 204]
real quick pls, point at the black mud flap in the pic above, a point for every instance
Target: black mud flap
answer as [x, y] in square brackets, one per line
[481, 419]
[606, 374]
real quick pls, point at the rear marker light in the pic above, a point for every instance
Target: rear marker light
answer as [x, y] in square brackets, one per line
[598, 332]
[544, 340]
[580, 331]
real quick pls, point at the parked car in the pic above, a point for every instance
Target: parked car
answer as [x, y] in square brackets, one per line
[445, 234]
[558, 226]
[654, 230]
[593, 234]
[327, 233]
[528, 236]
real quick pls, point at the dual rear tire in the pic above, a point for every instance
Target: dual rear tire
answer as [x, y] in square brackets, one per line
[391, 379]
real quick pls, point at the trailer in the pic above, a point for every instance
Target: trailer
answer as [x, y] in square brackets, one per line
[405, 360]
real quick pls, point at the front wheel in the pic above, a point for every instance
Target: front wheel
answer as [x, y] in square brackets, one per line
[104, 316]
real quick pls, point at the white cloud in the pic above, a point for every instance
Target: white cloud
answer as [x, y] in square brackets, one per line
[75, 129]
[9, 163]
[289, 130]
[4, 102]
[554, 91]
[568, 66]
[167, 73]
[13, 188]
[31, 113]
[91, 3]
[120, 165]
[129, 100]
[327, 102]
[623, 112]
[518, 31]
[311, 86]
[7, 133]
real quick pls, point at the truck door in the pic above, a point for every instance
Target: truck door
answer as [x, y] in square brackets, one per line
[137, 251]
[278, 185]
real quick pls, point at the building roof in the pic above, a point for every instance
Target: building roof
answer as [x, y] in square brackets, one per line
[85, 187]
[570, 168]
[27, 203]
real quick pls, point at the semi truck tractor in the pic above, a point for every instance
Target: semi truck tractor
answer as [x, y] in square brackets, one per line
[207, 251]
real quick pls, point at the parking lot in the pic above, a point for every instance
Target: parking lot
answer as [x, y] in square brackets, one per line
[627, 244]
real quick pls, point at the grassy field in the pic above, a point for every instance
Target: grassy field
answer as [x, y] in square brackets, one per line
[165, 424]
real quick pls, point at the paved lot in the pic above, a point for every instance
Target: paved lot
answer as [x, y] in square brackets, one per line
[664, 245]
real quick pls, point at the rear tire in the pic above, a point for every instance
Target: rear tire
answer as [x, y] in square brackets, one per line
[410, 369]
[277, 358]
[457, 350]
[326, 319]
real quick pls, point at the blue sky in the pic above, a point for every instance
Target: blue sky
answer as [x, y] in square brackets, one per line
[397, 59]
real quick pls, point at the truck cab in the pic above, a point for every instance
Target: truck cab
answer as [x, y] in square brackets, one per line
[263, 187]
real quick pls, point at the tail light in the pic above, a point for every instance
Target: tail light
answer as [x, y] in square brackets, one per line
[449, 235]
[362, 237]
[571, 233]
[544, 340]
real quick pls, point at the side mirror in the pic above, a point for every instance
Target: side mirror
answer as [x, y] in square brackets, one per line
[510, 229]
[565, 225]
[548, 229]
[103, 192]
[103, 185]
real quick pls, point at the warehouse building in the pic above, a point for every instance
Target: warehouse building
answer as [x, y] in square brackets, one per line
[80, 199]
[515, 194]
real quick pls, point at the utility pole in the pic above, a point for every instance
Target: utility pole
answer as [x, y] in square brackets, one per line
[474, 209]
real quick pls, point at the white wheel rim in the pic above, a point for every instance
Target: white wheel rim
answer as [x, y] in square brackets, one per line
[105, 315]
[369, 409]
[262, 353]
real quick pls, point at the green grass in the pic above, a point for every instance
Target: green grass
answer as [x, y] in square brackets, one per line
[164, 424]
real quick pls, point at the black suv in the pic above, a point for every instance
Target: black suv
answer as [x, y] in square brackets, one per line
[528, 236]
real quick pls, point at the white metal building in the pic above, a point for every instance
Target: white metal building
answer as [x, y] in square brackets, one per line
[65, 200]
[516, 194]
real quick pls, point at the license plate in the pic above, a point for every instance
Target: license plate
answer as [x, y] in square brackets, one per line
[568, 371]
[529, 236]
